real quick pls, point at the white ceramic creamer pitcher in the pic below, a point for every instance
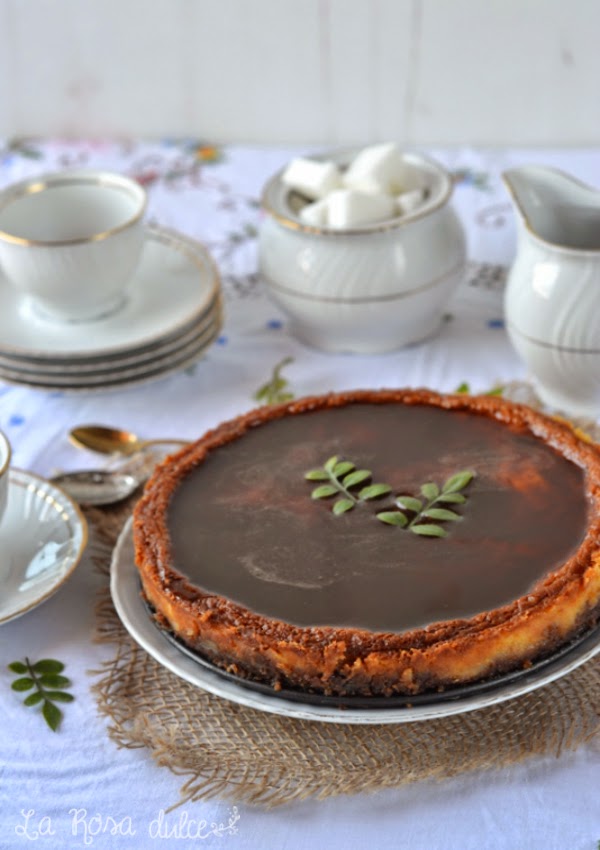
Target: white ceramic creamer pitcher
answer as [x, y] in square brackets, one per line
[552, 301]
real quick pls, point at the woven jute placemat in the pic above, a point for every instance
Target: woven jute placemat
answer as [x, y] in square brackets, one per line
[244, 755]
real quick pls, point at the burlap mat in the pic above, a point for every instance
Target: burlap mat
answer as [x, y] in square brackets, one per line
[246, 755]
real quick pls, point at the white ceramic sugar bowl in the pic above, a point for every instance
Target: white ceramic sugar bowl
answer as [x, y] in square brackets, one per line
[369, 289]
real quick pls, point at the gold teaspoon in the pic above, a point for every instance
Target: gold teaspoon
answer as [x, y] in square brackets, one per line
[106, 440]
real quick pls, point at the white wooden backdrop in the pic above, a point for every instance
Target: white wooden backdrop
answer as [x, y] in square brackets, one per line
[304, 71]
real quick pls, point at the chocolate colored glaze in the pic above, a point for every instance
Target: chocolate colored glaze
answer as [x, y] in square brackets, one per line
[243, 525]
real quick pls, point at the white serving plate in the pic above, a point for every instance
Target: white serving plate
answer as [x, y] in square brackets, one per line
[125, 589]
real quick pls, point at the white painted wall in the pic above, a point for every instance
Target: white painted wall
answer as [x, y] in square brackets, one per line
[304, 71]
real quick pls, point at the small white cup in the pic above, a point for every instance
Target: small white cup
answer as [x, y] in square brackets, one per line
[5, 454]
[71, 241]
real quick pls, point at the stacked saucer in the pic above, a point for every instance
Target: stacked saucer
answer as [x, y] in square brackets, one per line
[172, 314]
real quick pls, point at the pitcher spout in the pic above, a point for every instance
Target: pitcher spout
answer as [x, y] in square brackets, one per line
[555, 208]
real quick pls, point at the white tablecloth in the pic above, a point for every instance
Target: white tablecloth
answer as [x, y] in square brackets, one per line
[60, 789]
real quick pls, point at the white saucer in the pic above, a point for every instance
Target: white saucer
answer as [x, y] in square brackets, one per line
[174, 285]
[152, 371]
[73, 364]
[107, 370]
[125, 589]
[42, 537]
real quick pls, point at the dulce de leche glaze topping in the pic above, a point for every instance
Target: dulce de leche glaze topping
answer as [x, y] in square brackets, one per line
[242, 524]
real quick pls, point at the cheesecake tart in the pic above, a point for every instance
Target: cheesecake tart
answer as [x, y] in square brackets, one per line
[375, 542]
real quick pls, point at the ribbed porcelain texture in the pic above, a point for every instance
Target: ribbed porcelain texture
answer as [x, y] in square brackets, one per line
[43, 536]
[5, 453]
[552, 299]
[79, 282]
[369, 290]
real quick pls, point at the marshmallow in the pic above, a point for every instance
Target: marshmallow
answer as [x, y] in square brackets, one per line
[378, 168]
[349, 208]
[312, 179]
[407, 202]
[315, 214]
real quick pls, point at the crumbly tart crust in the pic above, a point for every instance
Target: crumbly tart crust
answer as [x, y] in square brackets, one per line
[347, 661]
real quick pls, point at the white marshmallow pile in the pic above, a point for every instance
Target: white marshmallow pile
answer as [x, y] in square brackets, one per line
[373, 188]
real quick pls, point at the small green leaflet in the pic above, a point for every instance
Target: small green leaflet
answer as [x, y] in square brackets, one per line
[428, 530]
[342, 505]
[430, 491]
[457, 482]
[393, 518]
[409, 504]
[44, 680]
[441, 514]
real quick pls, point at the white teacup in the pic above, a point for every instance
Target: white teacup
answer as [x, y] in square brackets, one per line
[71, 241]
[5, 453]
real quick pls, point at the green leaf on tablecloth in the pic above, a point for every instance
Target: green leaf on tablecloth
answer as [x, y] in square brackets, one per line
[59, 696]
[275, 390]
[47, 685]
[25, 684]
[51, 680]
[52, 715]
[48, 665]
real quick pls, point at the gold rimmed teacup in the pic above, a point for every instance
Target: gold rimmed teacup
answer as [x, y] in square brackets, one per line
[70, 241]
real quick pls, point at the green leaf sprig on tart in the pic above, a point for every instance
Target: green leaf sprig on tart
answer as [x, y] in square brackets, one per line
[342, 479]
[431, 507]
[421, 516]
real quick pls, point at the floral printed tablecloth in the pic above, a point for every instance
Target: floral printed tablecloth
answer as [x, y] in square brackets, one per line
[69, 789]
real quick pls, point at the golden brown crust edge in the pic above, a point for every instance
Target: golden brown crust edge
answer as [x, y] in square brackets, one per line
[353, 661]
